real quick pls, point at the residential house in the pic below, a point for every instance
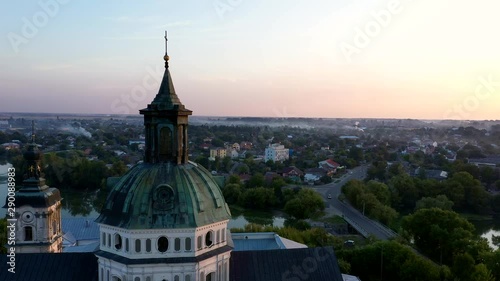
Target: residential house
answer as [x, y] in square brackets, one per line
[246, 145]
[491, 161]
[329, 166]
[10, 145]
[293, 173]
[218, 152]
[276, 152]
[313, 175]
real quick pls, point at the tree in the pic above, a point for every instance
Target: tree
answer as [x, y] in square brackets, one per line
[232, 193]
[404, 193]
[352, 189]
[118, 169]
[467, 192]
[306, 204]
[256, 180]
[258, 198]
[441, 202]
[380, 190]
[439, 234]
[325, 179]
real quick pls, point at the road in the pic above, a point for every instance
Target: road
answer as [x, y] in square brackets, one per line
[355, 218]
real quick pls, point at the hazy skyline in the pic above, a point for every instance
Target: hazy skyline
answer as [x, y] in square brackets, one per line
[282, 58]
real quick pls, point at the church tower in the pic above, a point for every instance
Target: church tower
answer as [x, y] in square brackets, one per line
[38, 209]
[166, 218]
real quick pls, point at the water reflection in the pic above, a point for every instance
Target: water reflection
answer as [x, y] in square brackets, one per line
[242, 218]
[487, 229]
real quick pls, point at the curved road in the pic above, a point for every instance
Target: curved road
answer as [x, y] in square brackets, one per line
[363, 224]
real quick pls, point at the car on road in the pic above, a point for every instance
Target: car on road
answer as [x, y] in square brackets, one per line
[329, 196]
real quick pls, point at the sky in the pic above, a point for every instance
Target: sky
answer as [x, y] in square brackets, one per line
[418, 59]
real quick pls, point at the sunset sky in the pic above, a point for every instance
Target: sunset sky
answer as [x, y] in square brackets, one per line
[278, 58]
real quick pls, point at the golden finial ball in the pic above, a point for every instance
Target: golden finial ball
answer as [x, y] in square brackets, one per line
[166, 58]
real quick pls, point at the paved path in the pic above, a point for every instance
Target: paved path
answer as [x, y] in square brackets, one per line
[355, 218]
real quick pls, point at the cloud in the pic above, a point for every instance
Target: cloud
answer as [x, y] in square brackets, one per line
[50, 67]
[127, 19]
[131, 38]
[176, 24]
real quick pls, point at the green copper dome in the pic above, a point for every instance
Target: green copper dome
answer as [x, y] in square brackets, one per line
[165, 195]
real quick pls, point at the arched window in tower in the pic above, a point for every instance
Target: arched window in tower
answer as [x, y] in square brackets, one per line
[187, 244]
[163, 244]
[209, 238]
[198, 243]
[28, 233]
[137, 245]
[176, 278]
[118, 241]
[187, 278]
[165, 144]
[177, 244]
[211, 276]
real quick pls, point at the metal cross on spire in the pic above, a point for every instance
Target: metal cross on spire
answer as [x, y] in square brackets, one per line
[166, 41]
[166, 55]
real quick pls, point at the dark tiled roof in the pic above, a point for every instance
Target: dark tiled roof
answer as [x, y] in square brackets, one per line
[81, 228]
[51, 267]
[490, 160]
[314, 264]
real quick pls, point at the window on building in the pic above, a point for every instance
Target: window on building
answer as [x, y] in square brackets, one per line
[126, 245]
[217, 238]
[176, 278]
[28, 233]
[209, 238]
[118, 241]
[103, 239]
[199, 246]
[54, 227]
[187, 277]
[109, 240]
[148, 245]
[211, 276]
[177, 244]
[137, 245]
[223, 235]
[148, 278]
[137, 279]
[163, 244]
[187, 244]
[202, 276]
